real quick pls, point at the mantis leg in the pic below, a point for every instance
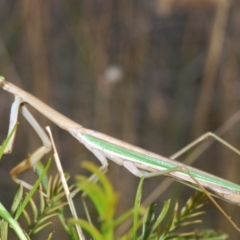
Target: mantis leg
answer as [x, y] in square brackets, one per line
[102, 158]
[212, 200]
[30, 161]
[12, 122]
[201, 139]
[167, 182]
[131, 167]
[139, 173]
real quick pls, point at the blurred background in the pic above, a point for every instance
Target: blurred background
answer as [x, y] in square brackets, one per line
[156, 74]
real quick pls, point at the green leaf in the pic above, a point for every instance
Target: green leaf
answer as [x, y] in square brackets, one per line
[17, 198]
[3, 230]
[12, 222]
[33, 190]
[96, 235]
[162, 214]
[137, 204]
[7, 140]
[149, 217]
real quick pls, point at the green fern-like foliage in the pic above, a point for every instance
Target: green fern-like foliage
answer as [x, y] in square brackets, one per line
[155, 229]
[146, 224]
[105, 201]
[48, 208]
[170, 223]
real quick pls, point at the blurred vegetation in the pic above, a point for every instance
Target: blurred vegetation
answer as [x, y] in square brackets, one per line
[154, 73]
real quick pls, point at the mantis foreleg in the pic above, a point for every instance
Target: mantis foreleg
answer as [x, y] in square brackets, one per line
[31, 160]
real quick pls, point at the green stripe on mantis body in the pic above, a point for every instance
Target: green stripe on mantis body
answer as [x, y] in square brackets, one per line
[160, 163]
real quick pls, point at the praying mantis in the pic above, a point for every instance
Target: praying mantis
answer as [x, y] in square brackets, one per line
[140, 162]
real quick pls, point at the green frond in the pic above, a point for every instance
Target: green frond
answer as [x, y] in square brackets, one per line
[17, 199]
[7, 140]
[3, 230]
